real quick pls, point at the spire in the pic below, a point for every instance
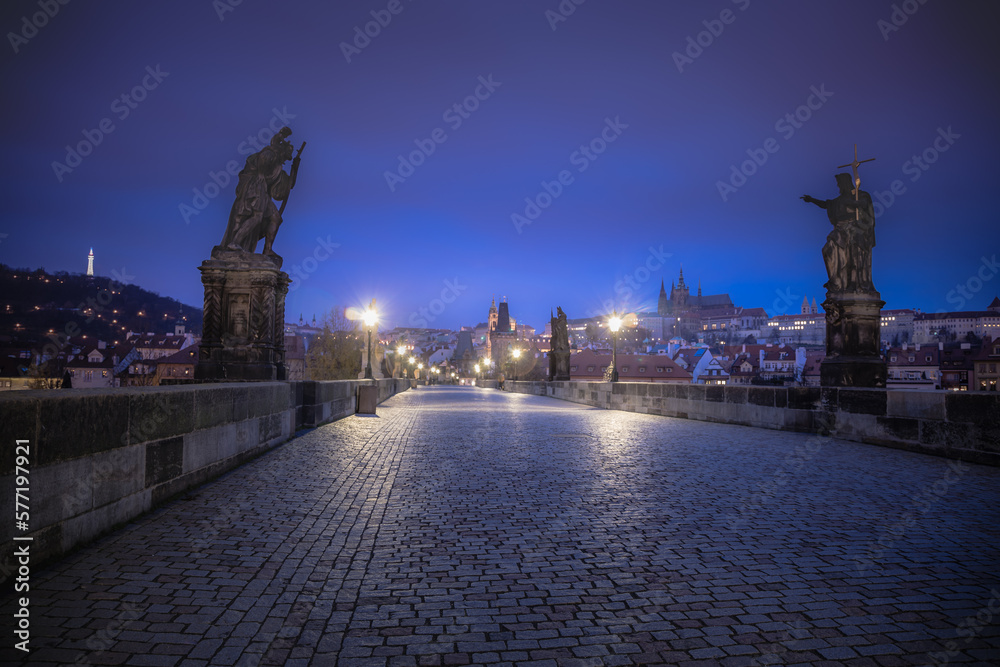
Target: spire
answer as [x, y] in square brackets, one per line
[814, 309]
[680, 281]
[699, 287]
[805, 305]
[662, 305]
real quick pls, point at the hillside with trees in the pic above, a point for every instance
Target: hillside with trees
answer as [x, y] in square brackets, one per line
[36, 305]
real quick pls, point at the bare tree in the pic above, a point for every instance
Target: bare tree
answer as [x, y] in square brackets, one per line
[335, 354]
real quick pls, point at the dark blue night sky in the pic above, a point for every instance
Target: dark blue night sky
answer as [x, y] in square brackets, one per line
[623, 132]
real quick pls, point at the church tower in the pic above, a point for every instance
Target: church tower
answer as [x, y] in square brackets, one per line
[503, 336]
[90, 263]
[663, 306]
[679, 294]
[491, 324]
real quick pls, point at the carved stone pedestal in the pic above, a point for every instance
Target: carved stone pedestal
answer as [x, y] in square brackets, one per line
[559, 365]
[853, 323]
[243, 333]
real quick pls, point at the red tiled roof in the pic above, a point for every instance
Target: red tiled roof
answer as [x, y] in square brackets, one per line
[188, 355]
[813, 360]
[986, 352]
[774, 354]
[735, 369]
[156, 341]
[925, 356]
[585, 359]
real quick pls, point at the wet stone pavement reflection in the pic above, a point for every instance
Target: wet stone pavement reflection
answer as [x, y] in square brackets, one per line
[470, 526]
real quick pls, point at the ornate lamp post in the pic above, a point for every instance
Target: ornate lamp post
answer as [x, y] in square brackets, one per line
[420, 367]
[615, 323]
[517, 355]
[400, 351]
[371, 317]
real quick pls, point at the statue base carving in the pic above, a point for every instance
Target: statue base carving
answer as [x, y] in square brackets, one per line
[853, 326]
[243, 336]
[559, 365]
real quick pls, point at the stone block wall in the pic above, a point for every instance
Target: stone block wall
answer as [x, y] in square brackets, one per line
[953, 424]
[99, 458]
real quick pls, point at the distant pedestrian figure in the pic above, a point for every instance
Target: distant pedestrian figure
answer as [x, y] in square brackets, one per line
[501, 382]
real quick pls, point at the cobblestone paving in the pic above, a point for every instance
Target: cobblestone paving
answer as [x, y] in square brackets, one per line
[469, 526]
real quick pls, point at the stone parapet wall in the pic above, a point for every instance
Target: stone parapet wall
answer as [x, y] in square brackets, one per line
[954, 424]
[99, 458]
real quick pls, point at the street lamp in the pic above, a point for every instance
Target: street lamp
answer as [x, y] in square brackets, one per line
[400, 351]
[615, 323]
[517, 355]
[371, 317]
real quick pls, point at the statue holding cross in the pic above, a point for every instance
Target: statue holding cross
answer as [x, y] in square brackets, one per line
[852, 303]
[848, 249]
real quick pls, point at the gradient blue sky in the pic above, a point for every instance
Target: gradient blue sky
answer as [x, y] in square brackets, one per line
[656, 185]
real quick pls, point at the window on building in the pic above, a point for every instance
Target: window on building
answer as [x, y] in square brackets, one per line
[669, 369]
[642, 369]
[912, 358]
[572, 369]
[659, 369]
[624, 369]
[104, 374]
[590, 369]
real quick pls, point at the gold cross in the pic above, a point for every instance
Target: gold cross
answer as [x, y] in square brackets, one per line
[857, 179]
[854, 167]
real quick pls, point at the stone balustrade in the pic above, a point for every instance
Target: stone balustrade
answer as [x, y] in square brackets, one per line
[99, 458]
[954, 424]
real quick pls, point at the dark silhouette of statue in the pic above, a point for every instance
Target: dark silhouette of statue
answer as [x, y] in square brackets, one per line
[852, 303]
[559, 347]
[848, 248]
[254, 215]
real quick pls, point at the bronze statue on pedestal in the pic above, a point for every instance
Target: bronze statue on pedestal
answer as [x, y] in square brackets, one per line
[852, 304]
[254, 215]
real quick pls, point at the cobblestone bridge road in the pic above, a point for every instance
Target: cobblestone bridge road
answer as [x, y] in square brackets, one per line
[471, 526]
